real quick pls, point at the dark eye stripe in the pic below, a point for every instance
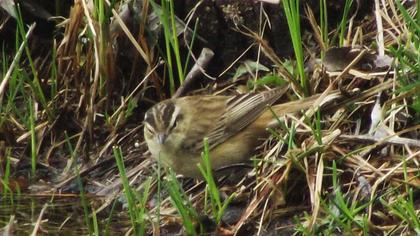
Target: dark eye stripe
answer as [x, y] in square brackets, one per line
[149, 118]
[149, 128]
[162, 116]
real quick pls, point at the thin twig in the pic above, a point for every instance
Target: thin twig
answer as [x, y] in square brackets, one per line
[130, 35]
[38, 221]
[379, 25]
[9, 72]
[205, 56]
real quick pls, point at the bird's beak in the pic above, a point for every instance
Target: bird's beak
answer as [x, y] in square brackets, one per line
[161, 138]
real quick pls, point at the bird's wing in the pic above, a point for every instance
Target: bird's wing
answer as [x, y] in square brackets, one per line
[241, 110]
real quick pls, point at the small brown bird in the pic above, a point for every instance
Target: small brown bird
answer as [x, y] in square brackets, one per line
[234, 125]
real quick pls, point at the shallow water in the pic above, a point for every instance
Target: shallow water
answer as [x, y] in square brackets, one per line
[60, 216]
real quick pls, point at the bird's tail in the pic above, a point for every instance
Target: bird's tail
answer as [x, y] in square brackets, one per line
[329, 101]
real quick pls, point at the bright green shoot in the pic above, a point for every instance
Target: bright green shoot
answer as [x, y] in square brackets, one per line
[167, 17]
[323, 19]
[292, 11]
[136, 208]
[35, 84]
[32, 116]
[181, 203]
[405, 210]
[344, 215]
[205, 167]
[407, 57]
[317, 129]
[343, 23]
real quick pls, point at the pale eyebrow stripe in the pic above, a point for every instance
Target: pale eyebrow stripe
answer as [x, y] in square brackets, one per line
[149, 118]
[156, 112]
[175, 113]
[150, 127]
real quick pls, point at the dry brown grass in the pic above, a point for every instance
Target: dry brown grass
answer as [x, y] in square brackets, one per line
[109, 73]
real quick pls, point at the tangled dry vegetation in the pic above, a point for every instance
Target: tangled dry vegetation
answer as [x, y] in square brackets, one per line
[71, 97]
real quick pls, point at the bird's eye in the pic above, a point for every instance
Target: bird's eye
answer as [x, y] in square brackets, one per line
[148, 128]
[174, 124]
[178, 119]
